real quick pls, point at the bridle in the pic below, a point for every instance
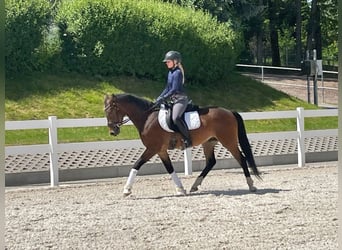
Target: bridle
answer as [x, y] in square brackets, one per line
[108, 108]
[112, 105]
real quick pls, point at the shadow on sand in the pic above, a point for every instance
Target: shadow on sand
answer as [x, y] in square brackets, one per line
[238, 192]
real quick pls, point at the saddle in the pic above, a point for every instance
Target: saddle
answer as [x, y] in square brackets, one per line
[190, 116]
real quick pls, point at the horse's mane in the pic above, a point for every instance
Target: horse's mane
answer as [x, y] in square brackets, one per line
[146, 105]
[140, 102]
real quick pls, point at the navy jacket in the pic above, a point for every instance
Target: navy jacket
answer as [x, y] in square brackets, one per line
[174, 84]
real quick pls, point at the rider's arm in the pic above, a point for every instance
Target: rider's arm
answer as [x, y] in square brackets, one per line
[174, 86]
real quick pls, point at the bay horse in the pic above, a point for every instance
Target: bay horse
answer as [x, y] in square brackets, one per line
[217, 124]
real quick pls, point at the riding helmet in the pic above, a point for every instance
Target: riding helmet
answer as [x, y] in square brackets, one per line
[173, 55]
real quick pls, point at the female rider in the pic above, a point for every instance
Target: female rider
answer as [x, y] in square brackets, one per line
[175, 91]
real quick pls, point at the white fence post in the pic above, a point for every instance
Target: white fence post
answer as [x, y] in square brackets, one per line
[300, 139]
[188, 161]
[53, 151]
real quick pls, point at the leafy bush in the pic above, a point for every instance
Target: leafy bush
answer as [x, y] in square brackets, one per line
[24, 26]
[130, 37]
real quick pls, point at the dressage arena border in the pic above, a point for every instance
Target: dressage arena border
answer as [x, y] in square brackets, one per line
[97, 164]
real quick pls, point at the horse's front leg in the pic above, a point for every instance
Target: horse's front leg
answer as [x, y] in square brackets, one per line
[164, 156]
[134, 171]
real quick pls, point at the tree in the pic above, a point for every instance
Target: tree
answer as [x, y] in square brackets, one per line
[281, 26]
[248, 16]
[329, 33]
[314, 37]
[298, 32]
[273, 14]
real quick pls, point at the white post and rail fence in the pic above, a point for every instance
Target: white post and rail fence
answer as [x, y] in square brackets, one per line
[53, 148]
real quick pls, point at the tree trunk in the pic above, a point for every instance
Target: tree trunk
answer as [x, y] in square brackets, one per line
[272, 8]
[260, 46]
[275, 47]
[314, 39]
[318, 34]
[259, 40]
[299, 55]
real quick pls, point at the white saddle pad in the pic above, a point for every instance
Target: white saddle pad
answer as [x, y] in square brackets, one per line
[192, 120]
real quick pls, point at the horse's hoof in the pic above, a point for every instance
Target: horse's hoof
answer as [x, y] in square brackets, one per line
[180, 191]
[193, 189]
[197, 183]
[127, 192]
[250, 184]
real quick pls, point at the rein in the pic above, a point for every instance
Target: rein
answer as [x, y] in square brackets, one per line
[151, 109]
[122, 122]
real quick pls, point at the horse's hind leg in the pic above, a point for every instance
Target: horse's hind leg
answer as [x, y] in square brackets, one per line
[208, 148]
[164, 156]
[234, 150]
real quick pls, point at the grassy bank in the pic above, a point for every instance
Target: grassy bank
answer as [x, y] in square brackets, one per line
[77, 96]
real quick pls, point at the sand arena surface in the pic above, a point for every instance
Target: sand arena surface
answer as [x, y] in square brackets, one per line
[294, 208]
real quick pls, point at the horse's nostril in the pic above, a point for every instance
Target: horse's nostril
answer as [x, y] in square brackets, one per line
[111, 133]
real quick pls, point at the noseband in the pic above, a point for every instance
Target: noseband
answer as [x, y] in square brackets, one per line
[108, 108]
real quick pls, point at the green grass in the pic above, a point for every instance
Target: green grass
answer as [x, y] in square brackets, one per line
[78, 96]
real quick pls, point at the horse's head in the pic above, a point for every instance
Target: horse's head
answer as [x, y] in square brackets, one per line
[114, 114]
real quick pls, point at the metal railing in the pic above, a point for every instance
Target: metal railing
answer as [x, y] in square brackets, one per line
[262, 67]
[307, 86]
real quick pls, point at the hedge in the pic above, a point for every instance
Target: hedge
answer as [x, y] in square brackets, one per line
[130, 37]
[24, 26]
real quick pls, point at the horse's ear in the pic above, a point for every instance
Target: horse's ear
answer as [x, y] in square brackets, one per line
[106, 98]
[109, 96]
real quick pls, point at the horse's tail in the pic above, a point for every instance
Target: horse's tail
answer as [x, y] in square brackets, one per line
[244, 144]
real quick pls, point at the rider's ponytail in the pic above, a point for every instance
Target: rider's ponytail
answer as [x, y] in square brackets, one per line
[182, 69]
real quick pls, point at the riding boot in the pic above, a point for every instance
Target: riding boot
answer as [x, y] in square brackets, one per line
[183, 129]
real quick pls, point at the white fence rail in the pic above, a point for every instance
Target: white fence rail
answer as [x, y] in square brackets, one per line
[53, 148]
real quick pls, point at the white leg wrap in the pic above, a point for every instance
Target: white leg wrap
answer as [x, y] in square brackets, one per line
[176, 180]
[131, 177]
[128, 187]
